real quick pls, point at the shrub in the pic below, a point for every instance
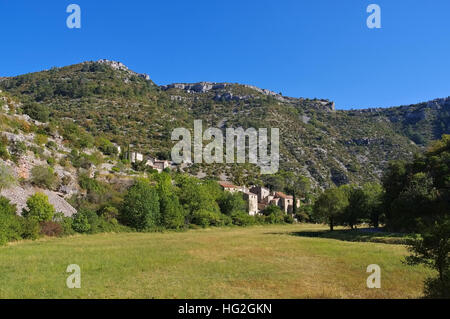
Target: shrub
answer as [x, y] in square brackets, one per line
[172, 213]
[242, 219]
[39, 208]
[43, 176]
[273, 215]
[37, 111]
[10, 226]
[51, 229]
[109, 213]
[288, 219]
[65, 222]
[40, 139]
[7, 178]
[30, 228]
[207, 218]
[81, 223]
[230, 202]
[3, 148]
[140, 207]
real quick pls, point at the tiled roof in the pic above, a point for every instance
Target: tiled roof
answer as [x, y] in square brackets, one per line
[227, 185]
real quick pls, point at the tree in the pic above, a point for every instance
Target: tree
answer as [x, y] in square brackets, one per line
[356, 209]
[172, 213]
[141, 209]
[432, 249]
[296, 186]
[39, 208]
[330, 205]
[374, 203]
[273, 214]
[10, 227]
[232, 202]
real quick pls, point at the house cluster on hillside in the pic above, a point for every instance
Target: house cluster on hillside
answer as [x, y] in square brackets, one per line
[258, 198]
[151, 162]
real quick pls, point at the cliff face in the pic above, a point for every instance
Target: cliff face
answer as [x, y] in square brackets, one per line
[327, 145]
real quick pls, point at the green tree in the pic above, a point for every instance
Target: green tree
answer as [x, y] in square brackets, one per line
[39, 208]
[232, 202]
[432, 249]
[374, 203]
[330, 205]
[10, 226]
[140, 207]
[357, 208]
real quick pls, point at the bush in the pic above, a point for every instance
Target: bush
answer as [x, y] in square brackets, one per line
[39, 208]
[243, 219]
[51, 229]
[43, 176]
[80, 223]
[30, 228]
[288, 219]
[273, 215]
[37, 111]
[7, 178]
[65, 222]
[140, 208]
[206, 218]
[230, 202]
[10, 226]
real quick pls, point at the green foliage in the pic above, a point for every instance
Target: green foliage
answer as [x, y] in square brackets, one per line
[172, 213]
[141, 208]
[106, 147]
[419, 189]
[65, 222]
[10, 226]
[39, 208]
[232, 202]
[196, 195]
[44, 176]
[207, 218]
[40, 139]
[30, 228]
[331, 205]
[432, 249]
[242, 219]
[4, 154]
[273, 215]
[81, 222]
[7, 178]
[37, 111]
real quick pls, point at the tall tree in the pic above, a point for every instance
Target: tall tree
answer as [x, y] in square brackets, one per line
[330, 205]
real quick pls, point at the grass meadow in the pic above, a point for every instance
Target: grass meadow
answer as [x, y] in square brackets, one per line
[255, 262]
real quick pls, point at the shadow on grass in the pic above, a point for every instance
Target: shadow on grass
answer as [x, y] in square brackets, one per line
[358, 235]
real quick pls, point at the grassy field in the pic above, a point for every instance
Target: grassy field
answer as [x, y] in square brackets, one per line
[255, 262]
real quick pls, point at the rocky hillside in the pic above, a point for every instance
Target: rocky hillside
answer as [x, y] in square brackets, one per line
[110, 101]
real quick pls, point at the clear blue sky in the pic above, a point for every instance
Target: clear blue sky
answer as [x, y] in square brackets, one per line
[315, 48]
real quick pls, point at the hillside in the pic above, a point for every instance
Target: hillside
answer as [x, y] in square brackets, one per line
[329, 146]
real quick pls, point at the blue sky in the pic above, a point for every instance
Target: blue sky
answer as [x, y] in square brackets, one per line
[315, 48]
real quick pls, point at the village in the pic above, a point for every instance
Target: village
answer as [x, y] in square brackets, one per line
[258, 198]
